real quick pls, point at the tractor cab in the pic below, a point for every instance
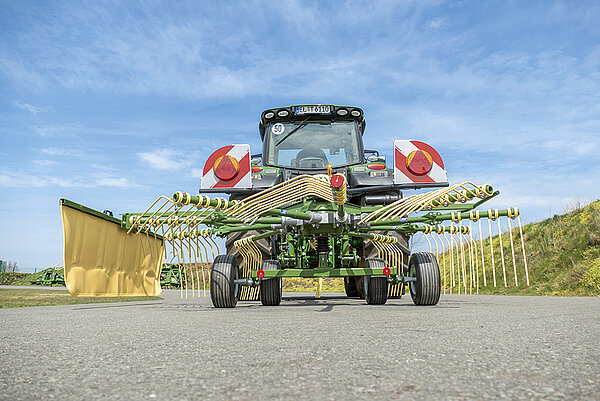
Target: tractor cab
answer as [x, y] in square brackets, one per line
[312, 137]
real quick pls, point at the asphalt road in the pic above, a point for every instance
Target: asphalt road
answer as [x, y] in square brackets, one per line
[466, 347]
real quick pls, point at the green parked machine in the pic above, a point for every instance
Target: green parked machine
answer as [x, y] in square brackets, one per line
[316, 203]
[50, 277]
[170, 276]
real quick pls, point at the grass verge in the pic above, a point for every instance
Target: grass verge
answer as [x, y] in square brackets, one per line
[16, 298]
[298, 284]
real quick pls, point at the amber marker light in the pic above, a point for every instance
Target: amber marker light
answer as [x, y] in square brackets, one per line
[376, 166]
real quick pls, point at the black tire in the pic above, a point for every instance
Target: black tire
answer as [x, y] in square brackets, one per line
[223, 290]
[270, 288]
[350, 285]
[375, 288]
[426, 290]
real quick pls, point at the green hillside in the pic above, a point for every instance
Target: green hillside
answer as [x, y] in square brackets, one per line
[563, 257]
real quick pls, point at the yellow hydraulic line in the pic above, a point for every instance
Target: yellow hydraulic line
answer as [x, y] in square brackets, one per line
[411, 204]
[248, 202]
[291, 190]
[418, 202]
[523, 247]
[401, 206]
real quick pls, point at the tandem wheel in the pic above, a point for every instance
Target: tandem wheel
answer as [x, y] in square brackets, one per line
[223, 290]
[426, 290]
[270, 288]
[375, 287]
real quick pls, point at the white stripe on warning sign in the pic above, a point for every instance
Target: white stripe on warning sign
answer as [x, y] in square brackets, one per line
[406, 147]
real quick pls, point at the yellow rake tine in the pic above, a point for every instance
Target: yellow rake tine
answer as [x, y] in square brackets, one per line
[523, 247]
[512, 250]
[502, 252]
[492, 251]
[482, 257]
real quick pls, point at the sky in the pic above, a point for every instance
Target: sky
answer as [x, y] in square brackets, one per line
[111, 104]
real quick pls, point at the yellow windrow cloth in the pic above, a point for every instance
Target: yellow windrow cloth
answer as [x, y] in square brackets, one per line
[101, 260]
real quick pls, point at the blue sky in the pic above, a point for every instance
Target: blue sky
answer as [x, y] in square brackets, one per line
[112, 104]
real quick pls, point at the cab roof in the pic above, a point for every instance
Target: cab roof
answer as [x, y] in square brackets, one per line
[311, 112]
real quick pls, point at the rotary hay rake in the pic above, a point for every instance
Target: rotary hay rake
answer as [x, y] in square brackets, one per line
[314, 208]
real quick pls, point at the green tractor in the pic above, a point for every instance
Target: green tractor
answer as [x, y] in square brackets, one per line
[315, 203]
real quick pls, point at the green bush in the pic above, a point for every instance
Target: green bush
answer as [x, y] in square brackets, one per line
[591, 278]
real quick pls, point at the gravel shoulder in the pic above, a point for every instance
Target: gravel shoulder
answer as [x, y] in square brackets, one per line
[466, 347]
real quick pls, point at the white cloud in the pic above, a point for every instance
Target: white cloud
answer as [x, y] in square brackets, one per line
[44, 163]
[164, 159]
[30, 108]
[437, 23]
[27, 180]
[113, 182]
[53, 151]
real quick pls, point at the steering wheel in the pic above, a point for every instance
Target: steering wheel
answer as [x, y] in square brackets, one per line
[311, 162]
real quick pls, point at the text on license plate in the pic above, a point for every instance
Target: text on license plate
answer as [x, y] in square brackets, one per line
[313, 109]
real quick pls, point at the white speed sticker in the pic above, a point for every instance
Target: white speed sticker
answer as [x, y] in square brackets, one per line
[277, 129]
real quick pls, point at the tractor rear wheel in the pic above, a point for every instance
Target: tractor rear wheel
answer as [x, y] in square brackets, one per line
[426, 290]
[375, 288]
[223, 289]
[270, 288]
[350, 286]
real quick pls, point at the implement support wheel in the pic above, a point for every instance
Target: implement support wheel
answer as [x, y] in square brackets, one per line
[426, 290]
[375, 287]
[223, 290]
[270, 288]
